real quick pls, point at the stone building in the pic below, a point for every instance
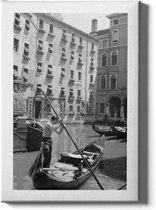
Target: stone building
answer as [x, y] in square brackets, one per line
[57, 57]
[111, 83]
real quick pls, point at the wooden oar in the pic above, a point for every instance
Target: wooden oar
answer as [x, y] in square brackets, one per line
[73, 142]
[35, 164]
[59, 169]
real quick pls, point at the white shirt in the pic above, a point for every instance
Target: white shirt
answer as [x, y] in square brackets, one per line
[49, 128]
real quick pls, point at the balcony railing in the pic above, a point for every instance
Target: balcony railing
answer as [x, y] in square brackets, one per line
[26, 57]
[71, 80]
[92, 66]
[51, 34]
[71, 98]
[41, 30]
[80, 62]
[40, 50]
[79, 98]
[91, 98]
[80, 46]
[62, 96]
[39, 69]
[91, 84]
[17, 25]
[73, 42]
[50, 51]
[92, 51]
[63, 56]
[64, 37]
[50, 93]
[49, 74]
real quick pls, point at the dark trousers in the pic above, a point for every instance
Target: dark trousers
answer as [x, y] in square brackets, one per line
[47, 148]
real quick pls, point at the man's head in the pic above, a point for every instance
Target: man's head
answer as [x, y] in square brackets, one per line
[53, 119]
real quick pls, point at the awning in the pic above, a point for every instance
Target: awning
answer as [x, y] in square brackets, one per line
[16, 73]
[18, 103]
[25, 75]
[49, 88]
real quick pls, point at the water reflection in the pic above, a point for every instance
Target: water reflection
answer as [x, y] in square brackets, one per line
[81, 134]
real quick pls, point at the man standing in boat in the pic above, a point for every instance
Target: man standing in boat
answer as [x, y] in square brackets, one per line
[53, 125]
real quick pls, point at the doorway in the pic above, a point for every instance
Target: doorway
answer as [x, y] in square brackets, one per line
[38, 105]
[114, 107]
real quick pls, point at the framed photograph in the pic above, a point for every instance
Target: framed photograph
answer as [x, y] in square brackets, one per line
[70, 105]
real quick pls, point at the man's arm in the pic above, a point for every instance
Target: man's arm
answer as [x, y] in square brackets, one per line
[58, 128]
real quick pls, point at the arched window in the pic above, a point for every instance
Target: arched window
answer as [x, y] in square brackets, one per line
[104, 60]
[115, 36]
[114, 58]
[113, 82]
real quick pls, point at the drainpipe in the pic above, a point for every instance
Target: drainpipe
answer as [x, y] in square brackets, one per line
[86, 71]
[36, 27]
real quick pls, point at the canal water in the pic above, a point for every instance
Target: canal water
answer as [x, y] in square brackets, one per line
[111, 172]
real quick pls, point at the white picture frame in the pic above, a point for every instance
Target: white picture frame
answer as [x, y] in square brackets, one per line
[10, 195]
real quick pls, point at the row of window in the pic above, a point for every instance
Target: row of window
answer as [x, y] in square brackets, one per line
[62, 92]
[113, 59]
[51, 30]
[112, 82]
[71, 93]
[49, 73]
[26, 52]
[64, 34]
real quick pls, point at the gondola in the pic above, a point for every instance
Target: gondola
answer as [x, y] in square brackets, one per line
[69, 172]
[105, 130]
[120, 132]
[34, 134]
[110, 130]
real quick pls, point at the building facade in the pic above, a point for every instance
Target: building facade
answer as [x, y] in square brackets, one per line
[111, 84]
[60, 59]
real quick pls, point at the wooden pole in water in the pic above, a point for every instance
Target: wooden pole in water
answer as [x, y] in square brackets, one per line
[85, 161]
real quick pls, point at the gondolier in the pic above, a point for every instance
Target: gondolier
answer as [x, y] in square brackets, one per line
[48, 129]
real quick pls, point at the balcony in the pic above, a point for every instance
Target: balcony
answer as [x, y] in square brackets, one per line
[71, 98]
[71, 80]
[51, 34]
[92, 66]
[64, 37]
[38, 91]
[72, 57]
[92, 51]
[72, 42]
[91, 84]
[40, 50]
[79, 98]
[63, 57]
[49, 74]
[26, 57]
[80, 62]
[62, 74]
[80, 46]
[25, 78]
[49, 92]
[41, 30]
[50, 51]
[39, 69]
[91, 99]
[62, 96]
[16, 75]
[27, 27]
[17, 24]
